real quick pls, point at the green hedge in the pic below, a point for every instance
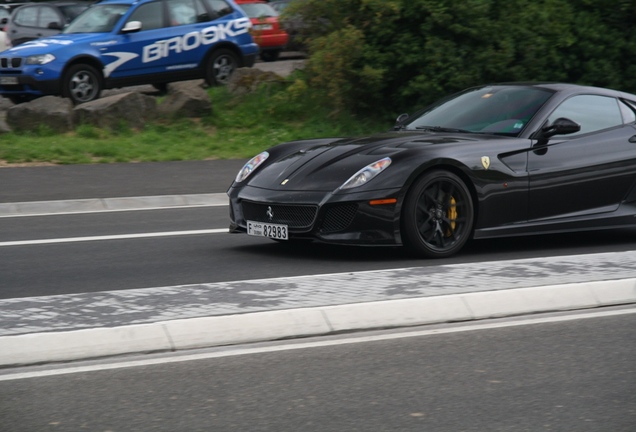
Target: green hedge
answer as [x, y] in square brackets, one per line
[389, 56]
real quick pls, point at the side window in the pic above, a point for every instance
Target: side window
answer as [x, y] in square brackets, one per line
[48, 16]
[150, 15]
[593, 113]
[219, 8]
[186, 12]
[27, 17]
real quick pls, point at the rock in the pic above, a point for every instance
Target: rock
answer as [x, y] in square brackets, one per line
[132, 109]
[186, 99]
[50, 111]
[247, 80]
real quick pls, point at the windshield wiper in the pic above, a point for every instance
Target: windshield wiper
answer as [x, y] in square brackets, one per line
[441, 129]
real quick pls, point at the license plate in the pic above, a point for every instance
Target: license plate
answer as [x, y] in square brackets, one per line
[261, 229]
[9, 80]
[263, 27]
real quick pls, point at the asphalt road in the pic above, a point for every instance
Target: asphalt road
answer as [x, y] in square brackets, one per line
[577, 375]
[119, 264]
[574, 375]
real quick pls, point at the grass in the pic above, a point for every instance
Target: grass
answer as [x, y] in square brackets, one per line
[237, 127]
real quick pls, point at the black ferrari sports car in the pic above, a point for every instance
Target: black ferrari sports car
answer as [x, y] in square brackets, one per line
[491, 161]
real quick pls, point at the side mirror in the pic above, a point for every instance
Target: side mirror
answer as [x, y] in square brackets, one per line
[399, 120]
[131, 27]
[561, 126]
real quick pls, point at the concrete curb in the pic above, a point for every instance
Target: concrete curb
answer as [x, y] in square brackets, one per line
[272, 325]
[34, 208]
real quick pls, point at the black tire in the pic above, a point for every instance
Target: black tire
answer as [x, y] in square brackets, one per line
[220, 66]
[82, 83]
[270, 55]
[438, 215]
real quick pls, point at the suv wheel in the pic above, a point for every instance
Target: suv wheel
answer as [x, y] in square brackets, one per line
[82, 83]
[220, 67]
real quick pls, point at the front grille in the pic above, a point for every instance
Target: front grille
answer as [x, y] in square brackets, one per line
[10, 62]
[339, 217]
[294, 216]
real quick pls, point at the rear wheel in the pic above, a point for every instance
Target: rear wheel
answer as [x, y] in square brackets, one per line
[220, 66]
[438, 215]
[82, 83]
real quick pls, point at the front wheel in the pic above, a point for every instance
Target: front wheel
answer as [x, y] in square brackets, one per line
[220, 66]
[82, 83]
[438, 215]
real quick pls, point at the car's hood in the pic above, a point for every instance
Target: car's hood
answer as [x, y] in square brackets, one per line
[326, 166]
[53, 43]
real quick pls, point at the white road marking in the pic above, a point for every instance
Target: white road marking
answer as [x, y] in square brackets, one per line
[230, 352]
[112, 237]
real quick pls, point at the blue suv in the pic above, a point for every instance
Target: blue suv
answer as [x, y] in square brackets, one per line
[120, 43]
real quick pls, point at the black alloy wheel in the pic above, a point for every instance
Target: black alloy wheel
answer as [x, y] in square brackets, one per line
[220, 66]
[82, 83]
[438, 215]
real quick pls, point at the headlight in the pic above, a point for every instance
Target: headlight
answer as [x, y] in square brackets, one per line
[40, 59]
[367, 173]
[250, 166]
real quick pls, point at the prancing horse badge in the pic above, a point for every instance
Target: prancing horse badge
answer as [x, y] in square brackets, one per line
[485, 161]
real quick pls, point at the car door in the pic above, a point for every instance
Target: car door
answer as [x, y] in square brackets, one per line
[174, 38]
[130, 54]
[590, 171]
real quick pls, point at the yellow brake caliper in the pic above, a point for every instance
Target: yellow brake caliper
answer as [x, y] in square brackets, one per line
[452, 216]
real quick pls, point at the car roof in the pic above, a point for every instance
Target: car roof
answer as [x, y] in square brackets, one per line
[564, 88]
[127, 2]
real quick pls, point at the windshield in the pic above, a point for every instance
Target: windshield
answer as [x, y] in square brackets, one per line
[97, 19]
[494, 109]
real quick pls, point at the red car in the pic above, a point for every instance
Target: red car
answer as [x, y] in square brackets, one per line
[266, 30]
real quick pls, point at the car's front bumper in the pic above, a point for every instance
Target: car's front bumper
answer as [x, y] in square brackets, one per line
[35, 80]
[28, 85]
[321, 216]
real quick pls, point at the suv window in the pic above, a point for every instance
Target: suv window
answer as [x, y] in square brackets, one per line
[219, 7]
[186, 12]
[593, 113]
[150, 15]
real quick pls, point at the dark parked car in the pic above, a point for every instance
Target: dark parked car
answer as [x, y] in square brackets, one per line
[492, 161]
[36, 20]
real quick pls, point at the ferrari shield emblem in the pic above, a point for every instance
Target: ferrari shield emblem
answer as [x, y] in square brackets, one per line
[485, 161]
